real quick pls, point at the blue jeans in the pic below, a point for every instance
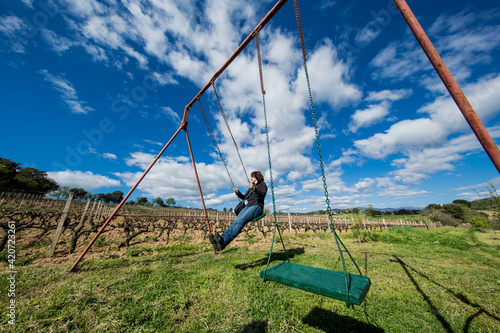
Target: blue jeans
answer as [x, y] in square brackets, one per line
[246, 215]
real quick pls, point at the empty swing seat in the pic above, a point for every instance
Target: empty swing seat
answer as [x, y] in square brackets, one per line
[320, 281]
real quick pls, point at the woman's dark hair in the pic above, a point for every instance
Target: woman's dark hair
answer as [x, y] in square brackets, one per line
[258, 176]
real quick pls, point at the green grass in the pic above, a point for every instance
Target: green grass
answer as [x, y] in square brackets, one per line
[443, 280]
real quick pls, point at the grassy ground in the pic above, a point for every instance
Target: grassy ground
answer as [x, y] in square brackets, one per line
[442, 280]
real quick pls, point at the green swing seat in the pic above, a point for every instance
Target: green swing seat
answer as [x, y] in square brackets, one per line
[320, 281]
[259, 217]
[343, 286]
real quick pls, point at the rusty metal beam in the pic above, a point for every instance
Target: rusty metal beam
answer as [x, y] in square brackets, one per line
[453, 88]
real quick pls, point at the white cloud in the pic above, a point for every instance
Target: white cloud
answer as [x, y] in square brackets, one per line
[445, 119]
[173, 177]
[68, 92]
[163, 79]
[57, 43]
[109, 156]
[15, 30]
[494, 181]
[369, 116]
[156, 143]
[421, 164]
[399, 61]
[28, 3]
[368, 34]
[402, 192]
[466, 28]
[388, 95]
[364, 185]
[84, 8]
[449, 33]
[171, 114]
[86, 180]
[402, 136]
[325, 4]
[329, 78]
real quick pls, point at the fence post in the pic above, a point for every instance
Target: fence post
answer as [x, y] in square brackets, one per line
[61, 225]
[289, 222]
[82, 220]
[96, 212]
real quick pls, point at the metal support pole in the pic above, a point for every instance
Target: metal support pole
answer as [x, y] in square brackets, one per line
[198, 182]
[456, 93]
[124, 199]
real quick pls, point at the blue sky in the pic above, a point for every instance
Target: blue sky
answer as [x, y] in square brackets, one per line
[92, 90]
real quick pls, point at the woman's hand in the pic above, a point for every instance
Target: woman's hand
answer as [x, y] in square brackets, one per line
[235, 190]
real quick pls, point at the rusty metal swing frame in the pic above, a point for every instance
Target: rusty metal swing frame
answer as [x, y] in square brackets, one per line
[456, 93]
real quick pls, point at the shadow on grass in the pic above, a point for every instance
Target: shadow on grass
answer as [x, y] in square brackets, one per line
[461, 297]
[254, 327]
[329, 321]
[276, 256]
[129, 259]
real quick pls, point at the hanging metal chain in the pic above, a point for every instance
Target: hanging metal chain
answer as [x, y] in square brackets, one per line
[269, 160]
[260, 65]
[323, 173]
[302, 45]
[229, 129]
[212, 136]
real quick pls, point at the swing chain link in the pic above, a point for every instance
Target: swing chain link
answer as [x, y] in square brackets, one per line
[303, 47]
[323, 173]
[229, 129]
[269, 161]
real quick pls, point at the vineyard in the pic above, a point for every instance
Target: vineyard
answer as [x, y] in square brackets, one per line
[58, 228]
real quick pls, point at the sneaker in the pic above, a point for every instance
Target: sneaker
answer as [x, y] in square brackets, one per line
[214, 242]
[219, 241]
[211, 238]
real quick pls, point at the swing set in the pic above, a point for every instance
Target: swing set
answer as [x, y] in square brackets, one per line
[340, 285]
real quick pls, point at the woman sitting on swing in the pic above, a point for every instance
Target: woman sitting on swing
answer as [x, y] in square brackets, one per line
[257, 190]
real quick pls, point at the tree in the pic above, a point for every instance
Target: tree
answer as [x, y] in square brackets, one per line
[107, 198]
[61, 193]
[461, 202]
[372, 212]
[433, 206]
[79, 193]
[34, 180]
[142, 201]
[116, 197]
[99, 197]
[159, 202]
[170, 202]
[402, 212]
[455, 210]
[480, 222]
[8, 170]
